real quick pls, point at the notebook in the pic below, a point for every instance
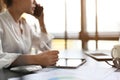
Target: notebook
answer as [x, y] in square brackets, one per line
[99, 55]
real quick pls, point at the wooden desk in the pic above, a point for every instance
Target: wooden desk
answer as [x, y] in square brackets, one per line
[91, 70]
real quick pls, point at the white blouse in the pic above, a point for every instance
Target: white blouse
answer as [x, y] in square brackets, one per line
[13, 44]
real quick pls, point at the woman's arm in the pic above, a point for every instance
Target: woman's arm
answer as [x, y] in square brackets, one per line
[42, 24]
[39, 14]
[44, 59]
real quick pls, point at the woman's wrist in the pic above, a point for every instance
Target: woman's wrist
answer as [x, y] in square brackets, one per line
[24, 60]
[33, 60]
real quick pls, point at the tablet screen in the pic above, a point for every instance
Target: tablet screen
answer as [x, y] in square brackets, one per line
[69, 63]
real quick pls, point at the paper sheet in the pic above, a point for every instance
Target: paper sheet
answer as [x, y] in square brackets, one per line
[84, 73]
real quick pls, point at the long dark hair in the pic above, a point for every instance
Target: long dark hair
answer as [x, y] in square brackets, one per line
[8, 2]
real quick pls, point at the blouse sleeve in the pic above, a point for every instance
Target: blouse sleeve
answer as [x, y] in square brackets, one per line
[6, 59]
[47, 38]
[41, 41]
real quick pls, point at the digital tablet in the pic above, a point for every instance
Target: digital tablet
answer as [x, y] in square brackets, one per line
[69, 63]
[99, 56]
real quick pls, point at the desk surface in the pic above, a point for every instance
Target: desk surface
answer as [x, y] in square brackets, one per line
[91, 70]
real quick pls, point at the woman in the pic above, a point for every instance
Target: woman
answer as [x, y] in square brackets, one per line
[16, 37]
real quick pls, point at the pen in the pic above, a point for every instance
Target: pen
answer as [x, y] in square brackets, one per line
[47, 47]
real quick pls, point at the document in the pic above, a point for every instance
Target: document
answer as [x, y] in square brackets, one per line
[84, 73]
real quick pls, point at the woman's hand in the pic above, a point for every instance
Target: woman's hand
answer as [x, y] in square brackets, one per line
[47, 58]
[38, 11]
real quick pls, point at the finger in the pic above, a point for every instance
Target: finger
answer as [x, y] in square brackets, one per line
[54, 60]
[53, 63]
[54, 57]
[54, 52]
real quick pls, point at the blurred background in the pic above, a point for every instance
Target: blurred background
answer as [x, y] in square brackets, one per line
[82, 24]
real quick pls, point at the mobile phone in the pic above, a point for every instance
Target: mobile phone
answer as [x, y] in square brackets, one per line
[38, 10]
